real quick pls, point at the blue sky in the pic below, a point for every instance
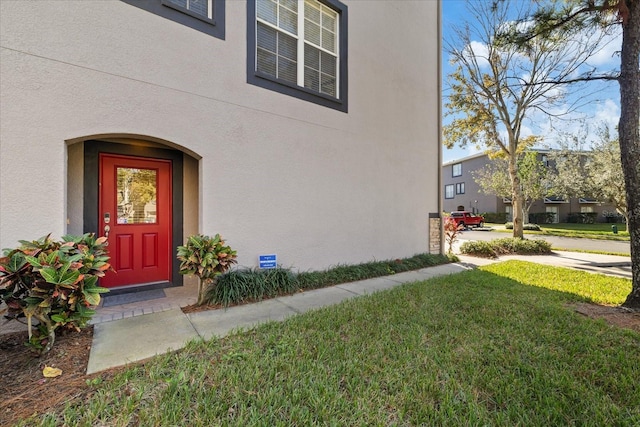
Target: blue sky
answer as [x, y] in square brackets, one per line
[604, 97]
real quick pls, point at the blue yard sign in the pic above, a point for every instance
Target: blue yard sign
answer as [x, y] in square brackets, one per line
[268, 261]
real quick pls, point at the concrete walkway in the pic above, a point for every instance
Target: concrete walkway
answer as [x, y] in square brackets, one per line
[136, 335]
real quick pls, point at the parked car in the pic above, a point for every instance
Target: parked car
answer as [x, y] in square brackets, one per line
[467, 219]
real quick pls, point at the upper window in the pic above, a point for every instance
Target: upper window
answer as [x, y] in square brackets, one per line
[201, 9]
[449, 191]
[298, 47]
[456, 169]
[206, 16]
[460, 188]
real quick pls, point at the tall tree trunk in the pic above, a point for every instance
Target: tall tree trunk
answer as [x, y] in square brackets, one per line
[629, 134]
[517, 200]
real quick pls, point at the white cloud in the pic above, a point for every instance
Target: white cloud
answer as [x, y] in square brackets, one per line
[608, 112]
[480, 51]
[611, 45]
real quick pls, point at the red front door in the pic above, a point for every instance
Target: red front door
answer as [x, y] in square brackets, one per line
[135, 215]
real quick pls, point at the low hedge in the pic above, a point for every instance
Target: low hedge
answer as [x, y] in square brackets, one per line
[542, 217]
[495, 217]
[478, 248]
[528, 227]
[582, 217]
[506, 246]
[246, 285]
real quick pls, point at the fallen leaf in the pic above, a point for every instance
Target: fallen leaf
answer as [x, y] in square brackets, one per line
[50, 372]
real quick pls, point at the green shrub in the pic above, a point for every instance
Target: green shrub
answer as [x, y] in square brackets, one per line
[206, 258]
[528, 227]
[244, 285]
[478, 248]
[530, 246]
[542, 217]
[495, 217]
[506, 246]
[53, 282]
[351, 273]
[582, 217]
[514, 245]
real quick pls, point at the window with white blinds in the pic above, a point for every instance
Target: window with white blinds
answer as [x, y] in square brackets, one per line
[297, 41]
[199, 8]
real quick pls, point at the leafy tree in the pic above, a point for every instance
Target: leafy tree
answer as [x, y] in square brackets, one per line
[569, 173]
[606, 175]
[493, 179]
[596, 172]
[555, 19]
[496, 85]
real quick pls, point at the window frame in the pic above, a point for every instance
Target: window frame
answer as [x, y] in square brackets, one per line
[453, 191]
[453, 170]
[270, 82]
[189, 12]
[214, 27]
[460, 188]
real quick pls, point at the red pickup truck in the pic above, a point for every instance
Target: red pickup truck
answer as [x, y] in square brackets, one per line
[467, 219]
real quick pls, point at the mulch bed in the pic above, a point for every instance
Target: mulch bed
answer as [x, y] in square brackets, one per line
[24, 389]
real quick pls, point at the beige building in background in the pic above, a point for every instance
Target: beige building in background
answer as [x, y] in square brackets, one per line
[309, 130]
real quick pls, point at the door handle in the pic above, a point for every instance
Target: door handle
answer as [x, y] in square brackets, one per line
[107, 228]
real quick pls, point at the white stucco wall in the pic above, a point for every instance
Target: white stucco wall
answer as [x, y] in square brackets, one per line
[276, 174]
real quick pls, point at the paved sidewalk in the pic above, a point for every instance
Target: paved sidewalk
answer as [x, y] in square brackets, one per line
[134, 337]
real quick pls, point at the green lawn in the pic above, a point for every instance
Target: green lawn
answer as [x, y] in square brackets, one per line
[590, 231]
[496, 346]
[597, 227]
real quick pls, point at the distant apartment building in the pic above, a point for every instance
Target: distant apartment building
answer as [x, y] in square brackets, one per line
[461, 192]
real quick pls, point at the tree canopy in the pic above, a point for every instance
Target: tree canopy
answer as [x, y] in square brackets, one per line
[585, 168]
[533, 173]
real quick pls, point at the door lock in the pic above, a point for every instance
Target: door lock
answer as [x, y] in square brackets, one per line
[107, 220]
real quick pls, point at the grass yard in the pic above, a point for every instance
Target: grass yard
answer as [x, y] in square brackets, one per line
[590, 231]
[573, 230]
[599, 227]
[496, 346]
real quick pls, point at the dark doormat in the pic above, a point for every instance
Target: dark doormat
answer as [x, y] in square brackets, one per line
[111, 300]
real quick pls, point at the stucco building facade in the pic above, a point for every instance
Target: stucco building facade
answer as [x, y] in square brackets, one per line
[289, 127]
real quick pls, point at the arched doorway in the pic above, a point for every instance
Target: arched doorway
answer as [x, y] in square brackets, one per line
[133, 194]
